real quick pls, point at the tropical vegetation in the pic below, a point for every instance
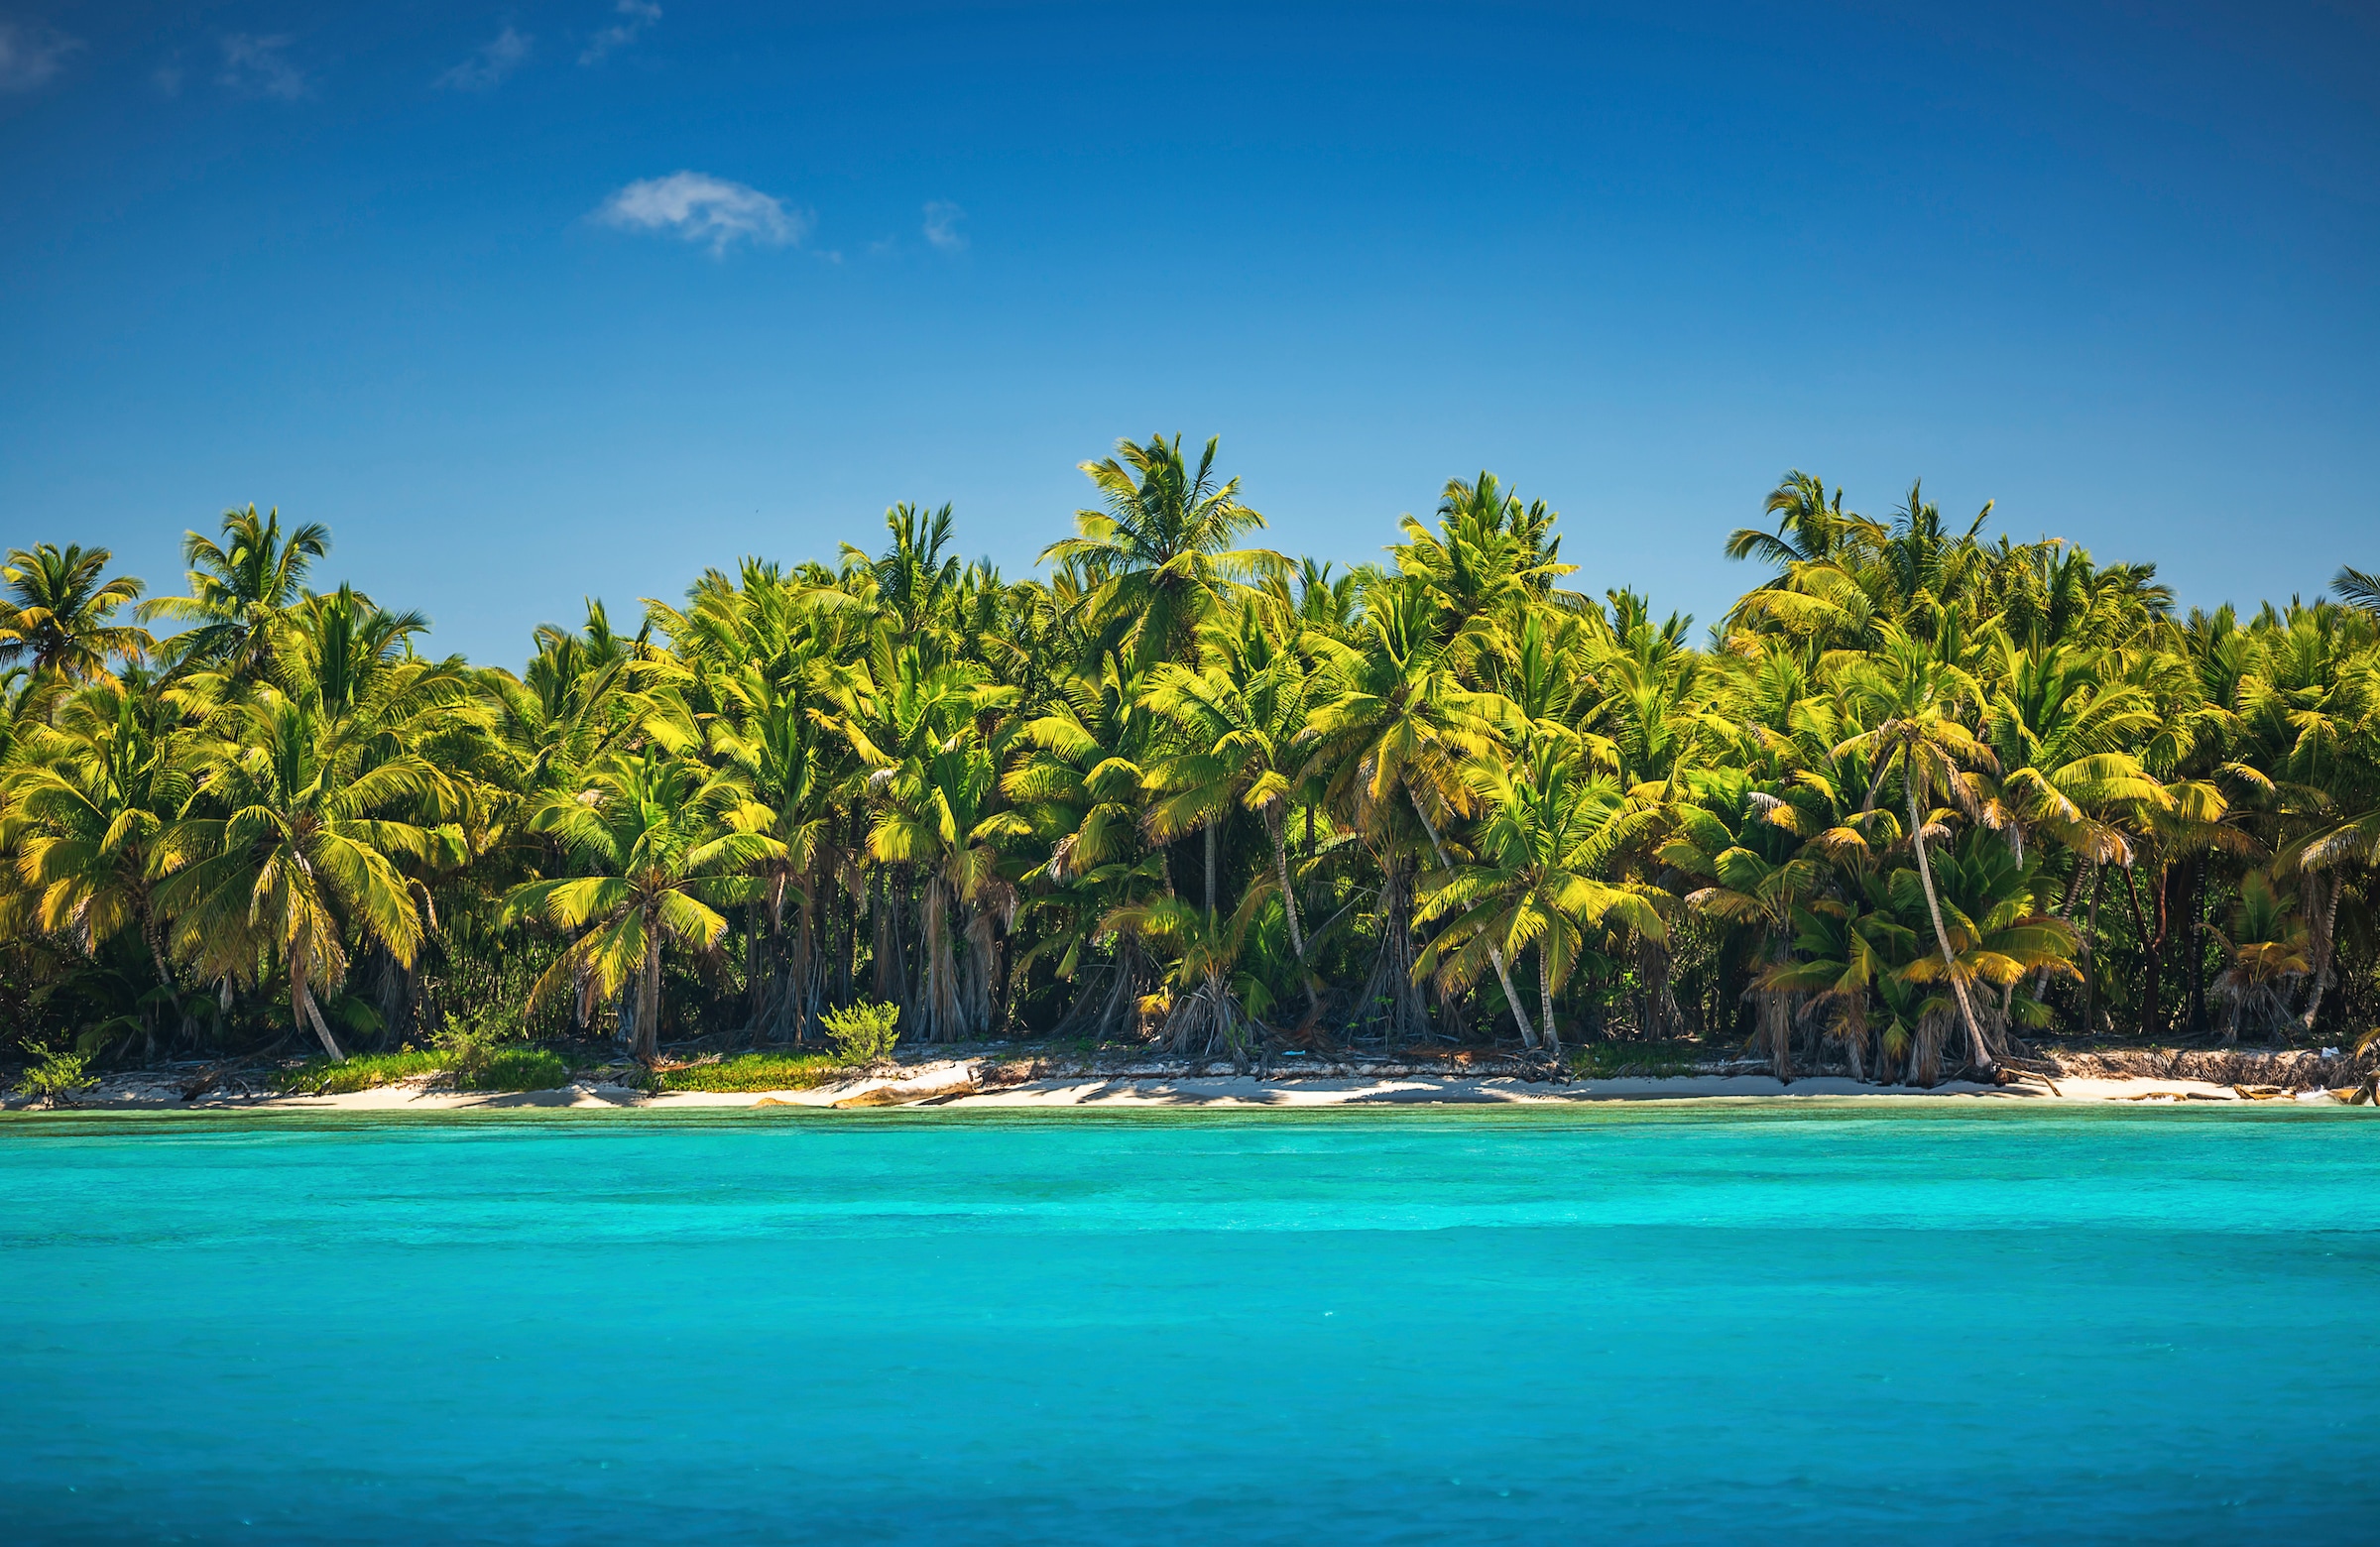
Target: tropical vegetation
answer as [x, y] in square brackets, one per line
[1923, 795]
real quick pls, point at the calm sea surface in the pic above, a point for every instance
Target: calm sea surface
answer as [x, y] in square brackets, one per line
[1778, 1324]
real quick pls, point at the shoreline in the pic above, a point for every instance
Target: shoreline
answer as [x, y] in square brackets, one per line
[984, 1084]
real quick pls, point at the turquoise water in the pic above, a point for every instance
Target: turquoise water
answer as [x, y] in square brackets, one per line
[1805, 1324]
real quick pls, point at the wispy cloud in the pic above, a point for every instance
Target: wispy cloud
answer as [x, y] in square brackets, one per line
[30, 55]
[942, 219]
[489, 63]
[167, 77]
[701, 208]
[635, 16]
[259, 68]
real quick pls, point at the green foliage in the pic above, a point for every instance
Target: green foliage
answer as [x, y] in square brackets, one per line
[1919, 791]
[515, 1069]
[484, 1052]
[365, 1071]
[55, 1076]
[752, 1072]
[863, 1033]
[1625, 1060]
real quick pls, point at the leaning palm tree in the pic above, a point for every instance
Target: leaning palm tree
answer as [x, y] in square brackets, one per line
[652, 837]
[239, 588]
[288, 850]
[1161, 552]
[56, 616]
[1914, 700]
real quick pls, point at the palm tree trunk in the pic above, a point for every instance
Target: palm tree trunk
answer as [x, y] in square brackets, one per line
[1210, 872]
[1504, 973]
[165, 975]
[1545, 995]
[649, 997]
[2090, 949]
[1280, 862]
[1941, 936]
[2322, 948]
[303, 1001]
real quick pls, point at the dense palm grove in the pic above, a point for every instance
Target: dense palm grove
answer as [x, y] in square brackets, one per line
[1918, 796]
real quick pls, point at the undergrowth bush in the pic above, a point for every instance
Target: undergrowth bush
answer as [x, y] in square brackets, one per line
[54, 1076]
[319, 1076]
[864, 1033]
[477, 1061]
[514, 1069]
[1622, 1060]
[750, 1072]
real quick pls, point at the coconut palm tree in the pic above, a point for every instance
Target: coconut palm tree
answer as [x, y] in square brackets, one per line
[1238, 720]
[1212, 1004]
[660, 850]
[1162, 550]
[1912, 701]
[1395, 728]
[285, 852]
[2264, 950]
[239, 587]
[1541, 854]
[96, 794]
[55, 615]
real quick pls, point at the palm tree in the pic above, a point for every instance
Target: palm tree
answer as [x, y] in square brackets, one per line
[653, 836]
[1238, 719]
[1759, 876]
[2264, 950]
[1542, 851]
[2357, 588]
[96, 793]
[284, 849]
[1998, 933]
[1914, 700]
[1162, 550]
[57, 612]
[934, 819]
[239, 587]
[1211, 1002]
[1397, 720]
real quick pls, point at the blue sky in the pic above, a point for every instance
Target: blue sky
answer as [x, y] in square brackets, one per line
[421, 271]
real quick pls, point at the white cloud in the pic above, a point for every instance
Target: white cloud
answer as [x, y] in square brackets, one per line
[30, 55]
[489, 63]
[635, 16]
[257, 66]
[701, 208]
[168, 79]
[942, 219]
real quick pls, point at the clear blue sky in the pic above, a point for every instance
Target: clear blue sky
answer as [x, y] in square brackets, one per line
[391, 268]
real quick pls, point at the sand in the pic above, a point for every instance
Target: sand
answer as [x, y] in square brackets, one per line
[936, 1082]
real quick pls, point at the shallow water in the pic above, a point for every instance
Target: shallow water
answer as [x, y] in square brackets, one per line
[1689, 1323]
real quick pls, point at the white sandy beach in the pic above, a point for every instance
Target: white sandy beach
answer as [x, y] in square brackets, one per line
[975, 1083]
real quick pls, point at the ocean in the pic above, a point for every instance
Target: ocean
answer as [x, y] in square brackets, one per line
[1827, 1322]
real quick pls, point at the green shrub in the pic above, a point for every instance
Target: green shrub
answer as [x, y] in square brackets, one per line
[1622, 1060]
[478, 1062]
[750, 1072]
[864, 1033]
[514, 1069]
[363, 1072]
[54, 1077]
[486, 1053]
